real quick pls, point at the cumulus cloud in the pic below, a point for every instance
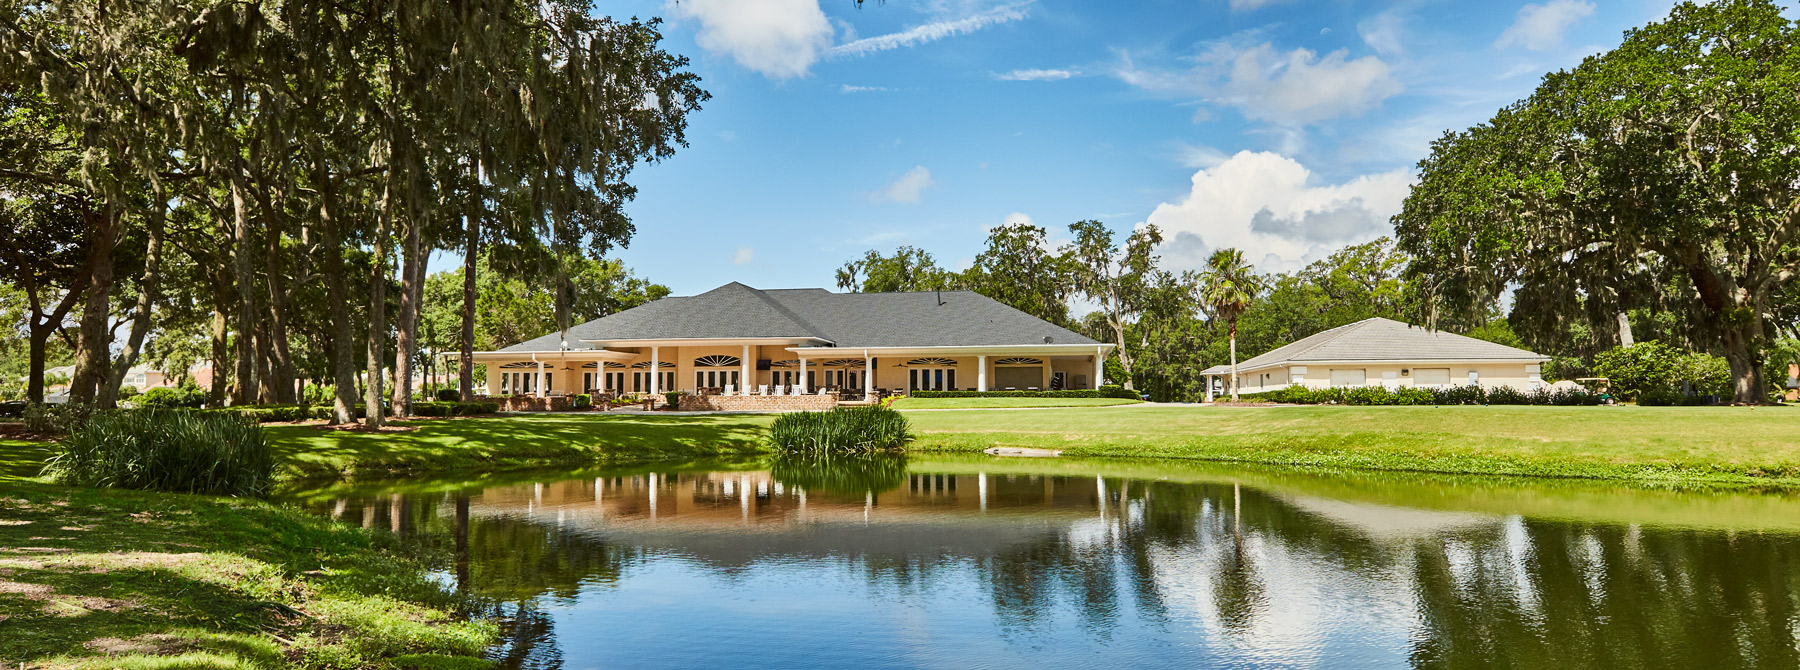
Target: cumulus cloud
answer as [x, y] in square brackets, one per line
[778, 38]
[1382, 32]
[1541, 27]
[1034, 75]
[908, 187]
[863, 89]
[1267, 205]
[744, 256]
[1287, 88]
[929, 32]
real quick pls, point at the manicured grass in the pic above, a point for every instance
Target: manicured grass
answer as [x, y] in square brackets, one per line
[1733, 445]
[177, 581]
[21, 459]
[1005, 403]
[531, 441]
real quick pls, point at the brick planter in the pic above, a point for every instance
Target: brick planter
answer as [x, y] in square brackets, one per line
[757, 403]
[519, 403]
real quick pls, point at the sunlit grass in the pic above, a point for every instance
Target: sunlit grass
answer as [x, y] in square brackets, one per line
[1007, 403]
[164, 580]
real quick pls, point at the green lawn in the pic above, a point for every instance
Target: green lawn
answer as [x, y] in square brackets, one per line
[515, 442]
[179, 581]
[1696, 444]
[1007, 403]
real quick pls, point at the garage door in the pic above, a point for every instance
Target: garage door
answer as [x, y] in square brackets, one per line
[1351, 377]
[1431, 376]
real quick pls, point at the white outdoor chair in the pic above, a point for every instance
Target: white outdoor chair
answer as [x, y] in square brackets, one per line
[729, 388]
[780, 389]
[824, 391]
[797, 390]
[762, 389]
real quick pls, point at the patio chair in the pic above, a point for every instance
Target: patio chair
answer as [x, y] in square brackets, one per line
[824, 391]
[797, 390]
[729, 388]
[762, 389]
[780, 389]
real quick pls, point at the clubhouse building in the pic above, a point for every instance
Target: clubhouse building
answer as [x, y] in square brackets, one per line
[1387, 353]
[740, 343]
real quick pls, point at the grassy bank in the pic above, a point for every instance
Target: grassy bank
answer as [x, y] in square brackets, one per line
[1731, 445]
[1007, 403]
[515, 442]
[115, 579]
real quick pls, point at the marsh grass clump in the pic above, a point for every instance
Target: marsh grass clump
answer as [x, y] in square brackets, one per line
[840, 431]
[178, 451]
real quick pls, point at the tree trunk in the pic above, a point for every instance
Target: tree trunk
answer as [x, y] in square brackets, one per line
[406, 341]
[281, 356]
[40, 327]
[1124, 356]
[1234, 374]
[466, 362]
[93, 353]
[379, 276]
[245, 390]
[1747, 385]
[215, 392]
[343, 377]
[140, 323]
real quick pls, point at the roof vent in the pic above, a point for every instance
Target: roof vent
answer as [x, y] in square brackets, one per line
[1048, 339]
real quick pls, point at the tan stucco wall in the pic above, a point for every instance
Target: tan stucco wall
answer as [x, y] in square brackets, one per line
[1517, 375]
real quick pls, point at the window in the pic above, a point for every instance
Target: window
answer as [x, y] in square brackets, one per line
[1350, 377]
[717, 362]
[1431, 376]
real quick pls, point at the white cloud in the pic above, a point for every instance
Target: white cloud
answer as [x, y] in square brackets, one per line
[929, 32]
[1017, 219]
[909, 185]
[1266, 205]
[744, 256]
[1382, 32]
[1198, 156]
[863, 89]
[1541, 27]
[778, 38]
[1247, 5]
[1293, 88]
[1034, 75]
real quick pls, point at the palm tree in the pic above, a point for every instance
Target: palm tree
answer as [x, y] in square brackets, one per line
[1226, 288]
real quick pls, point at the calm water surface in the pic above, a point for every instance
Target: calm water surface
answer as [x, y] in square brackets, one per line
[1056, 563]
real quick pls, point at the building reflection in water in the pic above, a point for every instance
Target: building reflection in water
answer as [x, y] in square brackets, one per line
[1141, 570]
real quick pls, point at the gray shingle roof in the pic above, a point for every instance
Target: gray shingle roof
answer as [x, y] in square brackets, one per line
[964, 318]
[1379, 339]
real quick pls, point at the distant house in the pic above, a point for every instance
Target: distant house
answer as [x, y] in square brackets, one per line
[1387, 353]
[736, 339]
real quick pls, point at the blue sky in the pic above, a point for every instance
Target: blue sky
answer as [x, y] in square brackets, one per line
[1286, 128]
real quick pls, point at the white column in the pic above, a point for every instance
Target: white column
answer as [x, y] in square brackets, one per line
[1209, 387]
[1099, 367]
[801, 382]
[981, 373]
[655, 369]
[868, 376]
[744, 382]
[539, 382]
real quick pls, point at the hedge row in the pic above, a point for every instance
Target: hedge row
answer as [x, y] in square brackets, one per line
[454, 408]
[1108, 391]
[273, 413]
[1449, 395]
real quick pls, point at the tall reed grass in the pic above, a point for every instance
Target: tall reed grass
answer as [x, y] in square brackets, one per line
[840, 431]
[842, 474]
[180, 451]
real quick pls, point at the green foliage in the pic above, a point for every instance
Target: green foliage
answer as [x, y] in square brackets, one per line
[1117, 391]
[163, 397]
[447, 408]
[1021, 269]
[166, 450]
[47, 418]
[449, 395]
[673, 398]
[315, 394]
[1654, 366]
[1411, 395]
[909, 269]
[583, 401]
[843, 430]
[128, 392]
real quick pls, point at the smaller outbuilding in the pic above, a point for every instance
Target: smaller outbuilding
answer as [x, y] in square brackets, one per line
[1387, 353]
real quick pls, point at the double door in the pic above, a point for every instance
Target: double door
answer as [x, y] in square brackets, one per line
[931, 379]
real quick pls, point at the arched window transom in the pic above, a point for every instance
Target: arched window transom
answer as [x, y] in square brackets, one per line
[938, 362]
[718, 362]
[1019, 361]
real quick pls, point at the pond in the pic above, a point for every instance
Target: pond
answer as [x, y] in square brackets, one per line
[988, 562]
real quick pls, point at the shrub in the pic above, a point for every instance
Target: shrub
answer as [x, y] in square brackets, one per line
[164, 397]
[844, 430]
[1117, 391]
[47, 418]
[274, 413]
[1659, 398]
[128, 392]
[583, 401]
[449, 395]
[454, 408]
[674, 398]
[1412, 395]
[314, 394]
[166, 450]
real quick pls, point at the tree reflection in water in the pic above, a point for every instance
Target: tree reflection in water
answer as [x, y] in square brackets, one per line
[1128, 563]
